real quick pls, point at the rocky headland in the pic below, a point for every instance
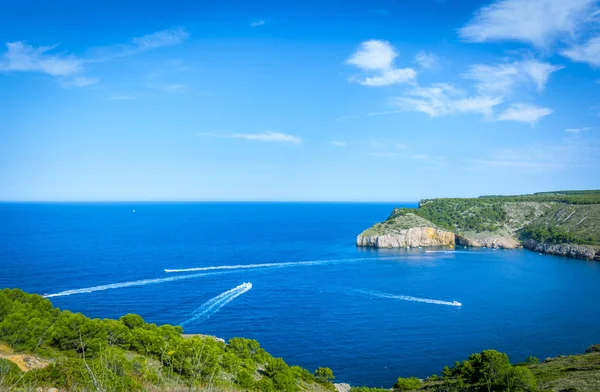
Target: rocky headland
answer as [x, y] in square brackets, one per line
[560, 223]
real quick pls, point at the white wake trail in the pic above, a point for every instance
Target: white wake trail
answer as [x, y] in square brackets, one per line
[275, 265]
[215, 304]
[142, 282]
[409, 298]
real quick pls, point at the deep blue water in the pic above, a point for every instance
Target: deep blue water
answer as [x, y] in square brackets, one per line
[313, 315]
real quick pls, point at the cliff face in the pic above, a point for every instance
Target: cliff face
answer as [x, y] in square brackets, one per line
[413, 237]
[494, 241]
[586, 252]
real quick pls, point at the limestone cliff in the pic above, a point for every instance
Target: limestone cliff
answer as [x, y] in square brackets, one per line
[488, 240]
[586, 252]
[413, 237]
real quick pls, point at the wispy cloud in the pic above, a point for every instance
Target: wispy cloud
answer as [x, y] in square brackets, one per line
[21, 57]
[588, 52]
[79, 81]
[445, 99]
[268, 136]
[538, 22]
[504, 78]
[522, 112]
[160, 38]
[258, 23]
[68, 68]
[338, 143]
[168, 37]
[388, 77]
[376, 59]
[426, 60]
[578, 130]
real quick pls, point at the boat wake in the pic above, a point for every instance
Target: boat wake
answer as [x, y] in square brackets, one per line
[275, 265]
[120, 285]
[409, 298]
[215, 304]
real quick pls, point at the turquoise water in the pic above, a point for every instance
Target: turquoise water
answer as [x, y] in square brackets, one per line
[370, 315]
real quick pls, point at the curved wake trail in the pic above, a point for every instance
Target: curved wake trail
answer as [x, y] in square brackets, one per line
[142, 282]
[409, 298]
[215, 304]
[275, 265]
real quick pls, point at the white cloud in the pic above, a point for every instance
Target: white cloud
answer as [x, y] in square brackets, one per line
[376, 58]
[167, 37]
[338, 143]
[373, 55]
[525, 113]
[539, 72]
[388, 77]
[504, 78]
[268, 136]
[257, 23]
[538, 22]
[426, 60]
[445, 99]
[578, 130]
[588, 52]
[22, 57]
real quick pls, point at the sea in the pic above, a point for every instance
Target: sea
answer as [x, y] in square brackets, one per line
[295, 281]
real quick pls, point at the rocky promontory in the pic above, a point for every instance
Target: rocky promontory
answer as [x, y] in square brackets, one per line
[413, 237]
[565, 223]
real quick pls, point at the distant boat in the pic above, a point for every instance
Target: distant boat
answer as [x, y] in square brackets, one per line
[133, 210]
[456, 303]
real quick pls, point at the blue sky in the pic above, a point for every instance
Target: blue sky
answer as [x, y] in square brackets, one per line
[328, 100]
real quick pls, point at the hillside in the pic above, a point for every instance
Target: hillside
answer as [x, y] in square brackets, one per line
[44, 347]
[562, 222]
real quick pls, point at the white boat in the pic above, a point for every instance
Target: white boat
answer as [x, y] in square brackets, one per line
[456, 303]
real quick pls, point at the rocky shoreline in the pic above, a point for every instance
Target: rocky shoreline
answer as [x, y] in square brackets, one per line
[586, 252]
[430, 236]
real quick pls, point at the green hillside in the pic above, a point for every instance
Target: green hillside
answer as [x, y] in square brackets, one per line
[71, 352]
[561, 217]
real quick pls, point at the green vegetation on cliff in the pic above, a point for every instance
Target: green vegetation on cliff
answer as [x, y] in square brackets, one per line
[76, 353]
[562, 217]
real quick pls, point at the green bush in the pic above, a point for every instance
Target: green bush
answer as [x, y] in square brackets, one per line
[407, 384]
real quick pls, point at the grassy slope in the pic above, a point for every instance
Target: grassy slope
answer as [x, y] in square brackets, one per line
[578, 372]
[397, 222]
